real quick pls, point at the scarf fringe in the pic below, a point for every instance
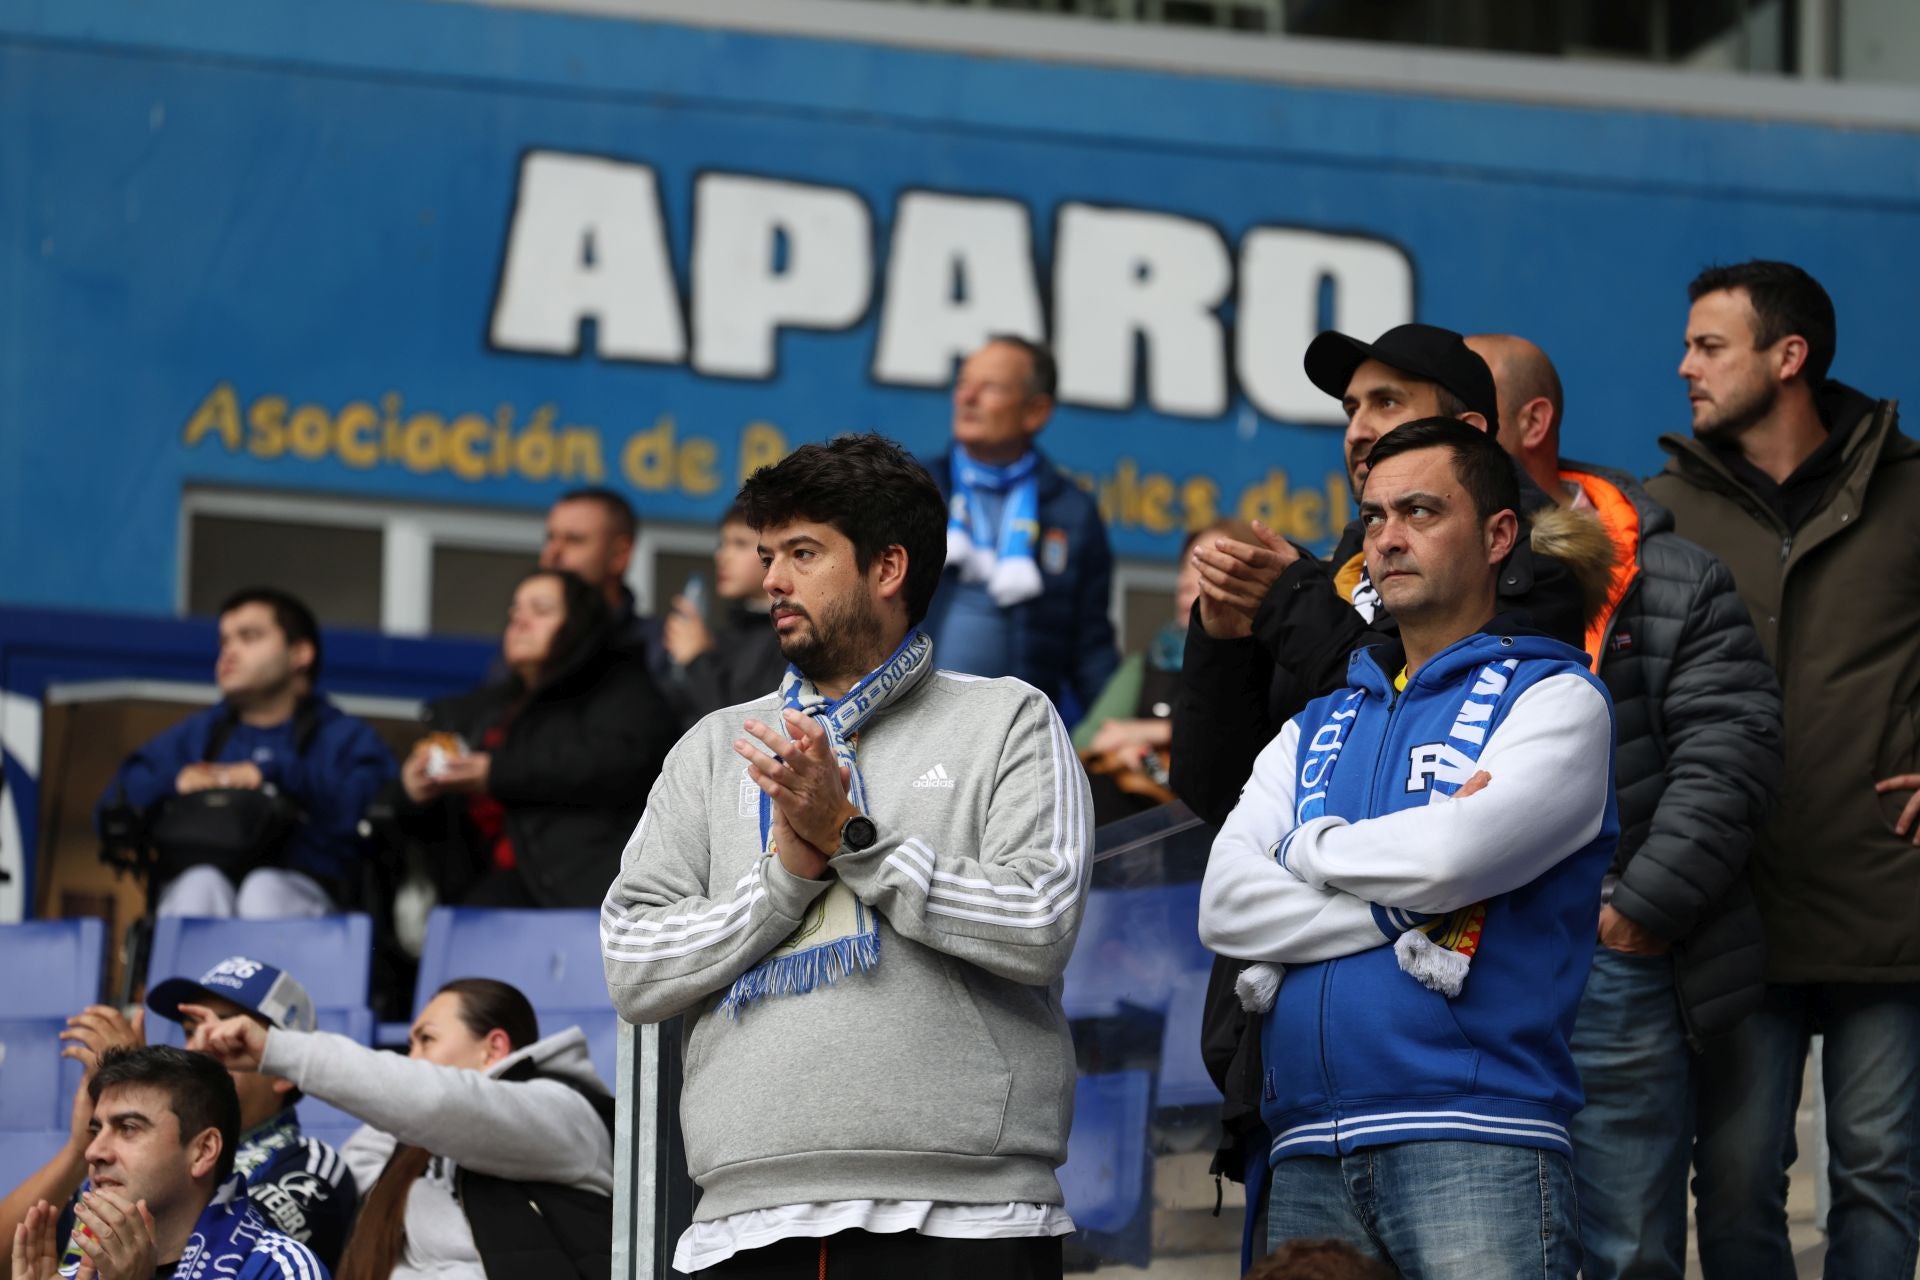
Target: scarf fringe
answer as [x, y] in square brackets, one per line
[801, 972]
[1431, 965]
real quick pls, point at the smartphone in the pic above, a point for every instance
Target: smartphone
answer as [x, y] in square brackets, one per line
[696, 594]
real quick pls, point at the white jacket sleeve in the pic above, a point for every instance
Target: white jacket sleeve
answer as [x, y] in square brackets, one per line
[527, 1130]
[1010, 904]
[670, 939]
[1550, 765]
[1251, 907]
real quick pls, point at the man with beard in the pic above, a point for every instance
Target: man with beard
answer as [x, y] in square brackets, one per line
[1809, 492]
[1274, 626]
[862, 892]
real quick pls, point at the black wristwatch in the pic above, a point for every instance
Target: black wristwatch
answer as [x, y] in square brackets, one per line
[858, 834]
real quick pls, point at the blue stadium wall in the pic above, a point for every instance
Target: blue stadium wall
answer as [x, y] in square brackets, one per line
[448, 253]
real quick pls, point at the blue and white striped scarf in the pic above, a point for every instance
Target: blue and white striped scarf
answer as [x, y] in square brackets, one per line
[839, 934]
[1000, 557]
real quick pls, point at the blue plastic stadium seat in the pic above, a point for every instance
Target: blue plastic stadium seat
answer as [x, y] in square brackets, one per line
[1184, 1081]
[24, 1152]
[1134, 946]
[1105, 1177]
[52, 967]
[553, 957]
[36, 1083]
[331, 956]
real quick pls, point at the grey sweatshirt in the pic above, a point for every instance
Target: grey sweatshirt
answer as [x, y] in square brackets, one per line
[946, 1071]
[531, 1130]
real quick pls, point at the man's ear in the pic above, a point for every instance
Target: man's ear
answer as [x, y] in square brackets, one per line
[301, 654]
[1535, 421]
[1791, 357]
[889, 571]
[282, 1086]
[1474, 419]
[1034, 416]
[1502, 532]
[203, 1153]
[620, 556]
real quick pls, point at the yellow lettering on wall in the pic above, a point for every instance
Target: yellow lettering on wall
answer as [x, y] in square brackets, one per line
[420, 442]
[354, 429]
[310, 431]
[695, 471]
[267, 423]
[580, 455]
[220, 412]
[647, 461]
[1200, 500]
[761, 445]
[464, 435]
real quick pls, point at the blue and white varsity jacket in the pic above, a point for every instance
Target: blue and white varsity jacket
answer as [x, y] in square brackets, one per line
[1348, 834]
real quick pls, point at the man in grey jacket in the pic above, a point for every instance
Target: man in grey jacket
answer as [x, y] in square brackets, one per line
[862, 891]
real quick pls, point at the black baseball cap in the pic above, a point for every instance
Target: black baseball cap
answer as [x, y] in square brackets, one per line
[1422, 350]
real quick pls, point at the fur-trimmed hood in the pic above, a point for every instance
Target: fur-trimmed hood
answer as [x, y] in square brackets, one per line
[1577, 539]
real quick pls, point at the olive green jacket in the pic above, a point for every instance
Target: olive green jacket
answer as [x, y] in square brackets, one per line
[1837, 607]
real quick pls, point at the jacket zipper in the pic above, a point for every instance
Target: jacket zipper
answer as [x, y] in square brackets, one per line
[1326, 971]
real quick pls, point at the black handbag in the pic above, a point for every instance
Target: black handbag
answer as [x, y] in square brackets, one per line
[232, 829]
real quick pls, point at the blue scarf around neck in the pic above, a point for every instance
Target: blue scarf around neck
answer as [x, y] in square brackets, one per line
[1001, 557]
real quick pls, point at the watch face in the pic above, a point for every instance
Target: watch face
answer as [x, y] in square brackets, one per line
[859, 833]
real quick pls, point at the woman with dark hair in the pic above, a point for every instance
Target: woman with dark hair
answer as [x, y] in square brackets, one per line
[527, 788]
[488, 1150]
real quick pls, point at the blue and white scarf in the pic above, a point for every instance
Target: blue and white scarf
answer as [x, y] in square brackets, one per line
[839, 934]
[232, 1238]
[1003, 557]
[1440, 965]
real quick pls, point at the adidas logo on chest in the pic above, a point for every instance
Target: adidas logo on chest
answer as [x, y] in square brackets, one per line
[935, 778]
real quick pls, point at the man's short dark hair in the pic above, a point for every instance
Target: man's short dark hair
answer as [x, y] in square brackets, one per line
[871, 490]
[736, 513]
[620, 513]
[198, 1089]
[1045, 378]
[295, 620]
[1785, 301]
[1483, 467]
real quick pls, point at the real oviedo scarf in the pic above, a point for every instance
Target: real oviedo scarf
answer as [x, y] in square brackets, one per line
[1435, 950]
[839, 933]
[1002, 556]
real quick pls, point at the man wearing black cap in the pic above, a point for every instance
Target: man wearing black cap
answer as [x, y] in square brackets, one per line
[1273, 626]
[298, 1182]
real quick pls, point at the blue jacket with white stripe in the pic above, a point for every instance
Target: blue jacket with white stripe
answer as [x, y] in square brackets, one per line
[1345, 840]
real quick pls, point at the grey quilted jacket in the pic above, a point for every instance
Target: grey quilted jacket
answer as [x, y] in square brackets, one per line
[1698, 711]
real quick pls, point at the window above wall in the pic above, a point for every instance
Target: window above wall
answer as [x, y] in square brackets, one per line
[403, 568]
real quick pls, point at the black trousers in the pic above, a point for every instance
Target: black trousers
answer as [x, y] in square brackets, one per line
[895, 1255]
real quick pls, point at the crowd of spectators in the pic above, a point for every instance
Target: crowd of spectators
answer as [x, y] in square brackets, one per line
[1643, 762]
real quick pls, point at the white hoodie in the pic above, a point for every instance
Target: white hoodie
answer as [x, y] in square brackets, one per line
[529, 1131]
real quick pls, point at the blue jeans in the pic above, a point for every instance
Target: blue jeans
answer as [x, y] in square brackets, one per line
[1750, 1083]
[1632, 1142]
[1436, 1210]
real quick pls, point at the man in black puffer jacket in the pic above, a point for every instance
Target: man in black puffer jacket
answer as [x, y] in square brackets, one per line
[1698, 715]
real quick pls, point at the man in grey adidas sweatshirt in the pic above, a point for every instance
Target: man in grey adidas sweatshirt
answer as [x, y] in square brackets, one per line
[862, 892]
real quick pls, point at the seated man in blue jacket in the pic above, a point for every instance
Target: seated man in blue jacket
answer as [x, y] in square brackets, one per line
[1029, 572]
[269, 730]
[1417, 861]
